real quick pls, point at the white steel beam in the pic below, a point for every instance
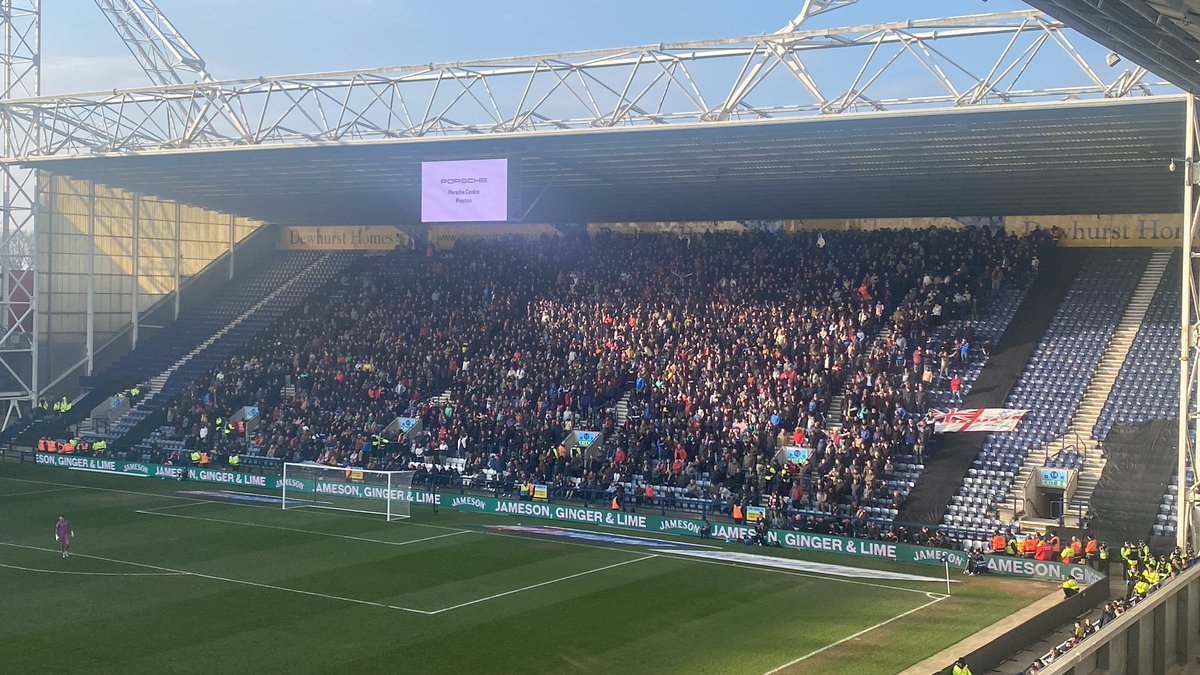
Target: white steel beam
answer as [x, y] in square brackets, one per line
[1189, 343]
[20, 26]
[777, 76]
[154, 41]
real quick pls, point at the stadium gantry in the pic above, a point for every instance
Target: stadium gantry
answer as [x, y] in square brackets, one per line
[746, 127]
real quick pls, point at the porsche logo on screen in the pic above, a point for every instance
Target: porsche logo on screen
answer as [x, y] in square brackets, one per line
[465, 191]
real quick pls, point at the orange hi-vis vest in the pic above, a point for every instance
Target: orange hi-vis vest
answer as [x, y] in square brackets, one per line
[998, 543]
[51, 445]
[67, 448]
[1091, 547]
[42, 445]
[203, 459]
[616, 503]
[737, 511]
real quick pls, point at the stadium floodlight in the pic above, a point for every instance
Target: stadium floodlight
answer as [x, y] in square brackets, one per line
[382, 493]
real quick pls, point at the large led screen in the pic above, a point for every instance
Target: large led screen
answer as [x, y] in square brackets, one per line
[467, 191]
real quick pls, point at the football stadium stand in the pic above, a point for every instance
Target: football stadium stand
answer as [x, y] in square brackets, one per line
[502, 351]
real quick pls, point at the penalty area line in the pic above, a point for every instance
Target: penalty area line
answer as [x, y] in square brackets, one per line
[295, 529]
[242, 582]
[92, 574]
[544, 583]
[36, 492]
[854, 636]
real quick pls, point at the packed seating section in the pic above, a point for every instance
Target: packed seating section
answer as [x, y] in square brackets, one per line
[727, 348]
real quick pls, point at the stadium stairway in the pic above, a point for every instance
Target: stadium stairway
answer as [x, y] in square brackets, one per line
[838, 401]
[621, 412]
[1088, 459]
[1061, 355]
[1147, 387]
[259, 302]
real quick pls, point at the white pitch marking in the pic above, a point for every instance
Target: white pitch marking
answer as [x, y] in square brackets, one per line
[539, 585]
[848, 638]
[294, 529]
[94, 574]
[36, 492]
[231, 581]
[198, 502]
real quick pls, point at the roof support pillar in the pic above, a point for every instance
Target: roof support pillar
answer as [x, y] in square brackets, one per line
[232, 224]
[90, 346]
[178, 259]
[135, 311]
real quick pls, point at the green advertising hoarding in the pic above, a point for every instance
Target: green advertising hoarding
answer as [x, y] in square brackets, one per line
[800, 541]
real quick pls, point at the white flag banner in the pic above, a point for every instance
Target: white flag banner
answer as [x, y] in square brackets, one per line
[975, 419]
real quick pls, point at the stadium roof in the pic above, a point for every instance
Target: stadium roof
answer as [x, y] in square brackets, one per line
[1059, 158]
[1162, 36]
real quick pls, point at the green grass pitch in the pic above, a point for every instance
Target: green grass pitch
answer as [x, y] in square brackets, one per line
[162, 583]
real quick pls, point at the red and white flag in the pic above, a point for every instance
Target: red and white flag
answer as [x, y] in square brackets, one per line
[975, 419]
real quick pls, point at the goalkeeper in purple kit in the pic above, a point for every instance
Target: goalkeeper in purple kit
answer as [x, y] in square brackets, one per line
[63, 534]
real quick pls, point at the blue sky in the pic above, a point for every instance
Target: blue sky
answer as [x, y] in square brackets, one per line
[247, 38]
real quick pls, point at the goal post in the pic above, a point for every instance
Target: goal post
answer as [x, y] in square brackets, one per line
[382, 493]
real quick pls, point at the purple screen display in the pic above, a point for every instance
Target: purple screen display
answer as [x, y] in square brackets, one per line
[467, 191]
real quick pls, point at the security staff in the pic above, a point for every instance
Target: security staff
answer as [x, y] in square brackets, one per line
[1068, 555]
[1012, 546]
[961, 667]
[195, 457]
[100, 446]
[1070, 587]
[234, 460]
[1127, 554]
[998, 543]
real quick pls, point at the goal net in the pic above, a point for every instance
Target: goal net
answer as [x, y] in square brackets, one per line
[383, 493]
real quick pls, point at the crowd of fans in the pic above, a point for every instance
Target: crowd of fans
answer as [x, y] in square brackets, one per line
[728, 348]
